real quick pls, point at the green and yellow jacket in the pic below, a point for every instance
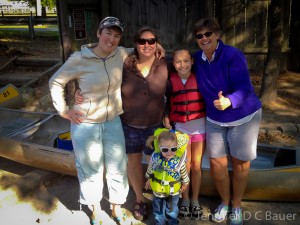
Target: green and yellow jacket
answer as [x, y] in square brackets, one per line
[166, 176]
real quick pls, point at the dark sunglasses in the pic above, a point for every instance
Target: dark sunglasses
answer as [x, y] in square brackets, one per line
[150, 41]
[206, 34]
[166, 149]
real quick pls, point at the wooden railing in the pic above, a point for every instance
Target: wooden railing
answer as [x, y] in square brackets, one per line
[25, 19]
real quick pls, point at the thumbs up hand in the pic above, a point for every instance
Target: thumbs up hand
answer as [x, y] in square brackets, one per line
[222, 103]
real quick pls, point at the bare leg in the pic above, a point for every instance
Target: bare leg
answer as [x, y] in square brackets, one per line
[116, 212]
[96, 209]
[136, 175]
[185, 195]
[240, 171]
[219, 172]
[196, 161]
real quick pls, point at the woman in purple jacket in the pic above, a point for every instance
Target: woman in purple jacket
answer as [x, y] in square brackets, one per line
[233, 115]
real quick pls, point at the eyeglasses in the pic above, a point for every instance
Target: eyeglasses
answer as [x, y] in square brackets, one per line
[150, 41]
[206, 34]
[166, 149]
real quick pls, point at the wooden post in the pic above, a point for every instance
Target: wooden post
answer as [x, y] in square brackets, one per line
[62, 19]
[31, 27]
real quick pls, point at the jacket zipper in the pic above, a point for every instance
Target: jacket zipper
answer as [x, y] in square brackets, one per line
[107, 90]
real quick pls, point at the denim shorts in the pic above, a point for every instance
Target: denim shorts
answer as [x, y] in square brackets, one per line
[239, 141]
[135, 138]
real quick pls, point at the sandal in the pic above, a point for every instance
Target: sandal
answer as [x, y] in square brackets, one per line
[121, 220]
[96, 220]
[139, 212]
[197, 212]
[184, 212]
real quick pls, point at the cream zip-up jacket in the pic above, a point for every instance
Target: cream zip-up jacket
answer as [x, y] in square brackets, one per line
[99, 80]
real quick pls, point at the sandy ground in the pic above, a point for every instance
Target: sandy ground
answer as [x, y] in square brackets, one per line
[30, 196]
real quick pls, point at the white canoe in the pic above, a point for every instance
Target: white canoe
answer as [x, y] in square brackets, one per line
[29, 137]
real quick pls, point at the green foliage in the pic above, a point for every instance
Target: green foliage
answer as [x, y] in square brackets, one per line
[48, 3]
[45, 3]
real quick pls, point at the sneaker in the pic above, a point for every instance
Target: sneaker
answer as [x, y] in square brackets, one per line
[220, 213]
[236, 217]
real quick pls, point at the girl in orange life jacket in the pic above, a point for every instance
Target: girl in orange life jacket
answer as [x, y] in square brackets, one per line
[187, 112]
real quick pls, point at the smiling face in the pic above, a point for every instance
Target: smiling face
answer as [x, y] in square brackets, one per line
[146, 50]
[183, 63]
[109, 40]
[207, 44]
[168, 143]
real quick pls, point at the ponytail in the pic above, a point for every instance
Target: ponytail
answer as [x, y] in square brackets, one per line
[150, 140]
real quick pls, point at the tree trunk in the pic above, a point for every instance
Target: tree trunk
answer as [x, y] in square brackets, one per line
[44, 11]
[272, 64]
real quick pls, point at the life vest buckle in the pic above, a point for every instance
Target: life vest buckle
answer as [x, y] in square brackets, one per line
[164, 182]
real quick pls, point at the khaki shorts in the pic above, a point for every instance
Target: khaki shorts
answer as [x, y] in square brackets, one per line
[239, 141]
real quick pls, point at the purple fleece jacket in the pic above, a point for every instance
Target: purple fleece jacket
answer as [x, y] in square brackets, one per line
[228, 72]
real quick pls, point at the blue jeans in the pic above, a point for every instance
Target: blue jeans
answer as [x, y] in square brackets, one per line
[97, 145]
[165, 210]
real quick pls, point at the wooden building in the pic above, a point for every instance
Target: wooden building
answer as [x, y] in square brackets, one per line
[244, 24]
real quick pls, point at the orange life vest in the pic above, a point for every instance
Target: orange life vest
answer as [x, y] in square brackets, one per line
[186, 101]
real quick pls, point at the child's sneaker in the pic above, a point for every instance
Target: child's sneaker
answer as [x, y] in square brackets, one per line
[236, 217]
[220, 213]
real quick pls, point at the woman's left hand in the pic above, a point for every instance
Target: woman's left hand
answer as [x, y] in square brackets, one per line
[78, 97]
[160, 51]
[166, 122]
[222, 103]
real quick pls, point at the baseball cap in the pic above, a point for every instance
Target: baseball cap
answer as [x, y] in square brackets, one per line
[111, 21]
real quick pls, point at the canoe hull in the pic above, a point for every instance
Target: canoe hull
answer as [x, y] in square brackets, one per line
[274, 175]
[10, 97]
[29, 138]
[263, 185]
[43, 157]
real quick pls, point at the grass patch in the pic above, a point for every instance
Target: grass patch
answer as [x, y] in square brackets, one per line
[20, 34]
[27, 14]
[26, 26]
